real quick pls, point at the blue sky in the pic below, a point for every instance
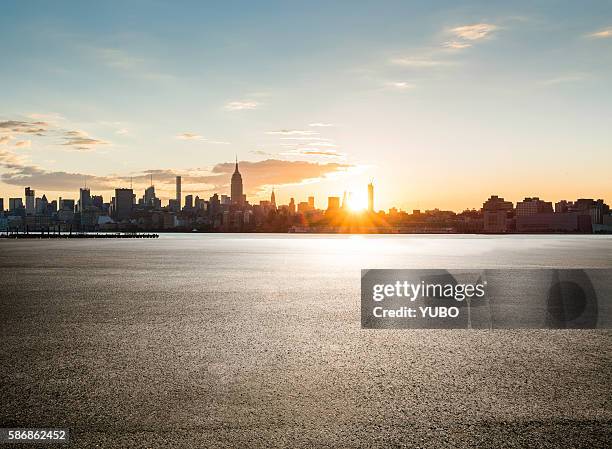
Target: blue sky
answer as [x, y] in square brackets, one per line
[441, 104]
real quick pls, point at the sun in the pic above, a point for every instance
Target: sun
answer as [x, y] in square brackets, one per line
[357, 203]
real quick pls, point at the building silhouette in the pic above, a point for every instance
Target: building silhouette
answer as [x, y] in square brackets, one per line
[236, 187]
[333, 203]
[123, 203]
[178, 192]
[531, 206]
[370, 197]
[84, 198]
[30, 204]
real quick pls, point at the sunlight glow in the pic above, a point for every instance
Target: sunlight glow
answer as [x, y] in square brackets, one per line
[357, 202]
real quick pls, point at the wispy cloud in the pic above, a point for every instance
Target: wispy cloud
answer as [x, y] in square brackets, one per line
[80, 141]
[189, 136]
[456, 45]
[261, 153]
[241, 105]
[23, 143]
[4, 140]
[607, 32]
[400, 85]
[313, 152]
[258, 175]
[292, 132]
[474, 32]
[420, 62]
[22, 127]
[571, 78]
[321, 125]
[199, 138]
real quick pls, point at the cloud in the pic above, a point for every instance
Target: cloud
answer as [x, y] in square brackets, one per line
[122, 131]
[10, 160]
[261, 153]
[241, 105]
[50, 117]
[313, 152]
[21, 173]
[23, 143]
[456, 45]
[607, 32]
[4, 140]
[565, 79]
[401, 85]
[292, 132]
[419, 62]
[80, 141]
[321, 125]
[189, 136]
[474, 32]
[21, 127]
[197, 137]
[258, 175]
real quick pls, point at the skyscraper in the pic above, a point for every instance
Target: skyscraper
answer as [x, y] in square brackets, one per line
[333, 203]
[178, 191]
[311, 202]
[236, 187]
[30, 203]
[84, 199]
[188, 201]
[124, 200]
[370, 197]
[273, 198]
[292, 206]
[15, 204]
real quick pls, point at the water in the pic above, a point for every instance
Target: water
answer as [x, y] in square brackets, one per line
[229, 340]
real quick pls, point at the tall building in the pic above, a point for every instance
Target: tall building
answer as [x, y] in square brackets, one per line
[84, 199]
[1, 205]
[65, 204]
[97, 201]
[311, 202]
[188, 201]
[370, 197]
[333, 203]
[236, 187]
[178, 191]
[41, 205]
[15, 204]
[292, 206]
[30, 204]
[273, 198]
[149, 196]
[123, 203]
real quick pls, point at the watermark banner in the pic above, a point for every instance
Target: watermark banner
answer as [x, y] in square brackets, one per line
[486, 299]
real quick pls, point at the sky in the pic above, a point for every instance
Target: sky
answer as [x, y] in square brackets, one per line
[440, 104]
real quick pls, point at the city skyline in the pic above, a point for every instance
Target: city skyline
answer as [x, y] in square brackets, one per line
[440, 105]
[350, 201]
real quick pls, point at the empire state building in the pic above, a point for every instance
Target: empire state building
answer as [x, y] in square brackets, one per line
[236, 189]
